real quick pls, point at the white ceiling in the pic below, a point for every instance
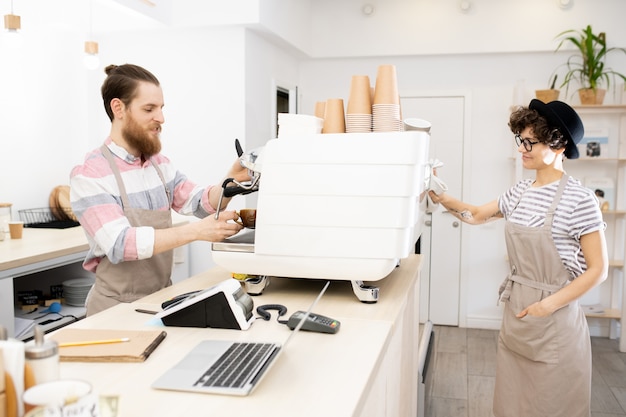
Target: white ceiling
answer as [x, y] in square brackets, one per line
[89, 15]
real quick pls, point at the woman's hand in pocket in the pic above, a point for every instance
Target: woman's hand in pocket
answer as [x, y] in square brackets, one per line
[536, 310]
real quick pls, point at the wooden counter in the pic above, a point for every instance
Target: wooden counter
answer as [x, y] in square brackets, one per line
[41, 249]
[369, 368]
[38, 250]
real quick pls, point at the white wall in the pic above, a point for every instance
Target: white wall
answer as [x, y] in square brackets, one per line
[218, 86]
[42, 120]
[439, 50]
[437, 27]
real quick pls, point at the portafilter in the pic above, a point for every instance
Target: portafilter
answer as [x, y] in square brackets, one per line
[251, 161]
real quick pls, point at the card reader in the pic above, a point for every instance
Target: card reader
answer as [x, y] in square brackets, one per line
[314, 323]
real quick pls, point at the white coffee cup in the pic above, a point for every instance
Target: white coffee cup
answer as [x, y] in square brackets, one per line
[417, 124]
[62, 397]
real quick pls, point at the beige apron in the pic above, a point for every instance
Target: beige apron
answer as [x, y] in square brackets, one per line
[128, 281]
[543, 363]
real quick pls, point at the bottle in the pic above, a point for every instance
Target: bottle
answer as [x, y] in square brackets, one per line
[12, 351]
[5, 218]
[42, 360]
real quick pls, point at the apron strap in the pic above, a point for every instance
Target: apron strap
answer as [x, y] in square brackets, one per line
[118, 177]
[557, 197]
[507, 284]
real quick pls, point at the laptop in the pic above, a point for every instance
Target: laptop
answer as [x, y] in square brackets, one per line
[227, 367]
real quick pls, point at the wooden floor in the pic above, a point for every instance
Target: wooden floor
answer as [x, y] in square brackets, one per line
[464, 368]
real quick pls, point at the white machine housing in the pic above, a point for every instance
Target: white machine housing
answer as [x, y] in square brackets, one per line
[336, 206]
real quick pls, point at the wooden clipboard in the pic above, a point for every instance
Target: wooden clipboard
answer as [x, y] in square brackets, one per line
[140, 346]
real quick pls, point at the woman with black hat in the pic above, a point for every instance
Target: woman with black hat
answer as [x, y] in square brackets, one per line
[557, 252]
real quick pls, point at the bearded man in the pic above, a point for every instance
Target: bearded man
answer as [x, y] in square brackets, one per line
[125, 190]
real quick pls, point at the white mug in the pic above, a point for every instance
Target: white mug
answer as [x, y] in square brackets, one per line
[417, 124]
[61, 398]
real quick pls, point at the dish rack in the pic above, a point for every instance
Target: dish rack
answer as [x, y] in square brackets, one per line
[49, 218]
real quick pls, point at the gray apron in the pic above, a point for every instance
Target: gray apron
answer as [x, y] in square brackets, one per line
[543, 363]
[128, 281]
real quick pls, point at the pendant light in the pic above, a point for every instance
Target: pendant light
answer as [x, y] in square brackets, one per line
[12, 25]
[91, 60]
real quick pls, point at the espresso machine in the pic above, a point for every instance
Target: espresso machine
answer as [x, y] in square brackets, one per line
[330, 206]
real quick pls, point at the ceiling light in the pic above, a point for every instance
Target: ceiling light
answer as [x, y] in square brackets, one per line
[565, 4]
[91, 59]
[465, 5]
[367, 9]
[12, 25]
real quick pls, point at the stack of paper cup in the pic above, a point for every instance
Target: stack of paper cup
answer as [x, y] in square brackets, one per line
[359, 114]
[386, 115]
[334, 116]
[320, 107]
[298, 124]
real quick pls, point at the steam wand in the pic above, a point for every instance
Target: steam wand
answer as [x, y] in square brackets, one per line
[240, 189]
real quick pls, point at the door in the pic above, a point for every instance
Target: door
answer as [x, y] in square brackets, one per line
[440, 243]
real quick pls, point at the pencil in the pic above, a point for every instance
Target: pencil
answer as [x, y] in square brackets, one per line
[94, 342]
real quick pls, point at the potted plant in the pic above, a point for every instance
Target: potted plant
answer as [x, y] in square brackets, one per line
[587, 66]
[550, 94]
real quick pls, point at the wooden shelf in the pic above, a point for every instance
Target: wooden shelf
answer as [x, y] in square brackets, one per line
[595, 160]
[609, 313]
[614, 212]
[601, 109]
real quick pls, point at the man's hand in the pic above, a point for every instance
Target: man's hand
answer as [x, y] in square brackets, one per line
[216, 230]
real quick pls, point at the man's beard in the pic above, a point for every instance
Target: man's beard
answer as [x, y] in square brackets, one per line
[140, 139]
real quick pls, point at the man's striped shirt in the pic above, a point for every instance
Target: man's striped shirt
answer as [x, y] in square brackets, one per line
[96, 201]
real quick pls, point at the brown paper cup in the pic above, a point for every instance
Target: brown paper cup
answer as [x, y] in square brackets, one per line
[386, 90]
[16, 229]
[360, 101]
[320, 107]
[334, 116]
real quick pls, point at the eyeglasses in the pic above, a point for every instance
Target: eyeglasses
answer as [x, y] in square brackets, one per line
[528, 145]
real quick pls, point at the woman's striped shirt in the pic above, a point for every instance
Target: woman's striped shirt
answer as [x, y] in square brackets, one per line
[577, 213]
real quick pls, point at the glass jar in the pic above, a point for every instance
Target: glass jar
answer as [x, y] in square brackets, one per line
[42, 359]
[5, 216]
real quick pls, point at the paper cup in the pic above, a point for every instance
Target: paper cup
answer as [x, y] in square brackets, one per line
[16, 229]
[360, 101]
[334, 116]
[320, 107]
[386, 90]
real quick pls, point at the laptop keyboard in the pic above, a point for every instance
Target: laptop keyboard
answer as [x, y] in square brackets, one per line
[235, 366]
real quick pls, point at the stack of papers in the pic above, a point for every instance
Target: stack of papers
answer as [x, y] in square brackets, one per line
[23, 327]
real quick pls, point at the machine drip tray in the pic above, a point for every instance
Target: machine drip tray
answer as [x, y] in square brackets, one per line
[241, 242]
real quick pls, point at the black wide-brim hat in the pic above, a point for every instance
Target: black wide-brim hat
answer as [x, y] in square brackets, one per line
[561, 116]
